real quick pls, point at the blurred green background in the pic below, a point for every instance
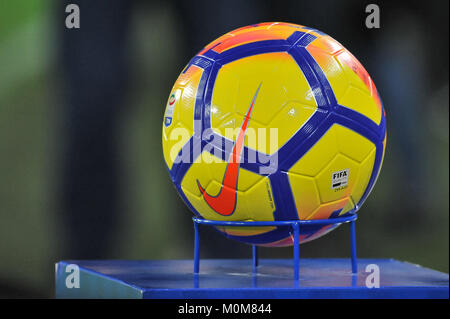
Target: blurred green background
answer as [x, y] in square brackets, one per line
[32, 142]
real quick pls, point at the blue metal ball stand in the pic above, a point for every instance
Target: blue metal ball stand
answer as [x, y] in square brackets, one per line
[295, 226]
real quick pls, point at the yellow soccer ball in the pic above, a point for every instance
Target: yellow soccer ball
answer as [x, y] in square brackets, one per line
[274, 122]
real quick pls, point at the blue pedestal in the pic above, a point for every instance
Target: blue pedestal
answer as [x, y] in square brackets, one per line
[231, 278]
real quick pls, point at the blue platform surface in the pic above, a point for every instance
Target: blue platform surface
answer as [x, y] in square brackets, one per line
[233, 278]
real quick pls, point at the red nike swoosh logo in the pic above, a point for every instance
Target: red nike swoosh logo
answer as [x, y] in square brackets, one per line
[224, 202]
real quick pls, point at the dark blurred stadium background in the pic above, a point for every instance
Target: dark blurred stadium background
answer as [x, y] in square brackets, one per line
[81, 167]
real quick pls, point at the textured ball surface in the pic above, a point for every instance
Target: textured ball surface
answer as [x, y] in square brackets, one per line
[274, 121]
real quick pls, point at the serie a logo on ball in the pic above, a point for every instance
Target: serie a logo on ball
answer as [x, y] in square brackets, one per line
[274, 121]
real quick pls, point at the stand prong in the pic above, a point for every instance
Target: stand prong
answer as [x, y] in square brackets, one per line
[296, 251]
[255, 258]
[353, 245]
[196, 248]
